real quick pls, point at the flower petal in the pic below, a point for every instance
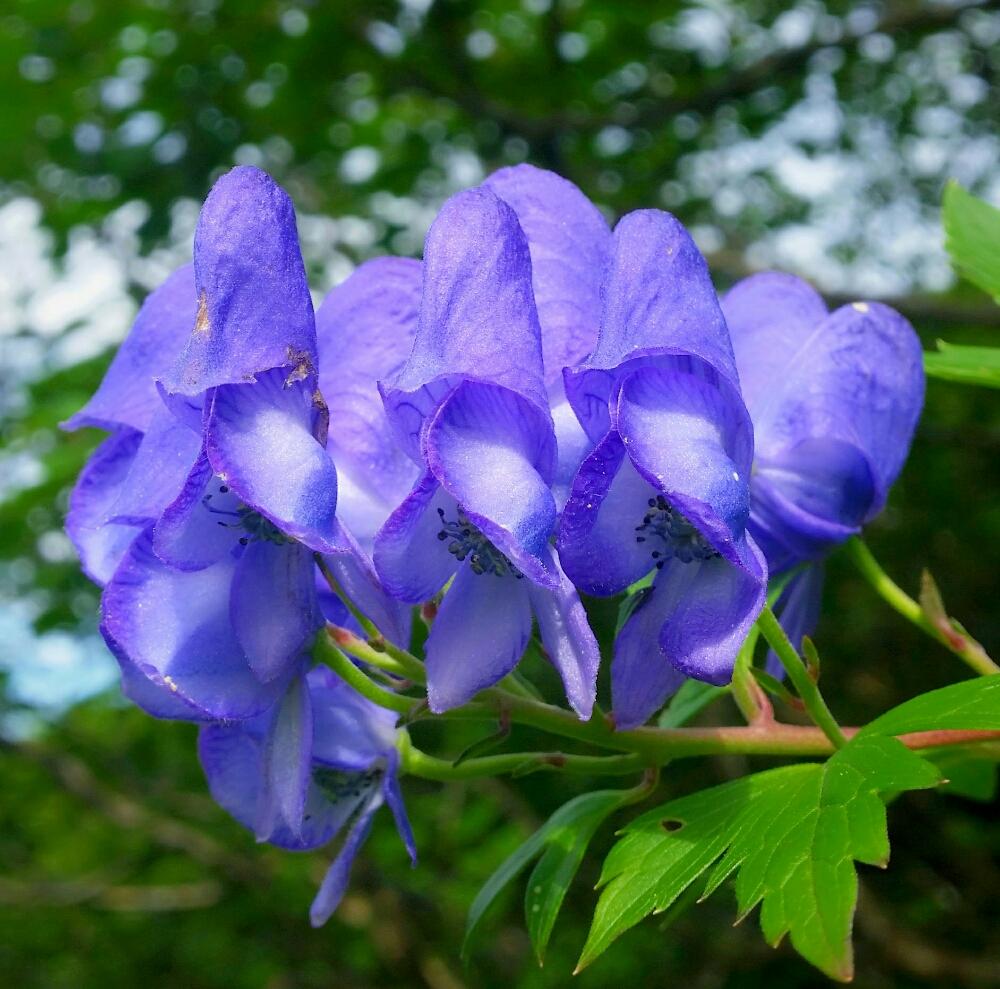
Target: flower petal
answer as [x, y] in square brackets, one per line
[769, 315]
[127, 395]
[201, 525]
[334, 885]
[162, 463]
[259, 440]
[100, 544]
[366, 327]
[688, 433]
[412, 563]
[273, 605]
[477, 317]
[286, 759]
[350, 732]
[715, 607]
[692, 624]
[568, 641]
[254, 308]
[573, 445]
[155, 699]
[232, 758]
[798, 611]
[809, 498]
[357, 578]
[175, 627]
[493, 453]
[478, 637]
[393, 796]
[658, 299]
[857, 377]
[597, 531]
[570, 243]
[642, 677]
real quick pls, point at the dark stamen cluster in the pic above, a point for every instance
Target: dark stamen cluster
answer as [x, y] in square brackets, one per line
[256, 527]
[676, 536]
[467, 541]
[341, 785]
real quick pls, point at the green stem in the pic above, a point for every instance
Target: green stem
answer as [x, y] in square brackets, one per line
[359, 616]
[418, 763]
[512, 684]
[328, 653]
[652, 746]
[379, 658]
[804, 684]
[963, 646]
[412, 666]
[414, 669]
[747, 695]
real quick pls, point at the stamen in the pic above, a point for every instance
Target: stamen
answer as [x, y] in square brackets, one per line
[676, 536]
[341, 785]
[256, 527]
[468, 541]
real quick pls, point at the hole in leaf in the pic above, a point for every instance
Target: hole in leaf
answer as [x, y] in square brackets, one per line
[671, 825]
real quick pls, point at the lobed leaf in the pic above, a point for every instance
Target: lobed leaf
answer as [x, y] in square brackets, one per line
[790, 836]
[972, 705]
[968, 774]
[966, 365]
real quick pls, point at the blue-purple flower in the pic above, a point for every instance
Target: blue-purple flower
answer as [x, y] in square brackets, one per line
[321, 760]
[667, 484]
[834, 399]
[204, 525]
[471, 408]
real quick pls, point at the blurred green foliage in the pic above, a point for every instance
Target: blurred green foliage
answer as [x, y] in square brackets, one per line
[117, 869]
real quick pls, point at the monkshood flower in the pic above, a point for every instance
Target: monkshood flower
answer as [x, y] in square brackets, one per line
[214, 600]
[569, 242]
[834, 399]
[666, 486]
[322, 759]
[470, 407]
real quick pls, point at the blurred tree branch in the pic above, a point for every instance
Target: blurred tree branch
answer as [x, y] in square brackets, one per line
[78, 779]
[912, 954]
[898, 19]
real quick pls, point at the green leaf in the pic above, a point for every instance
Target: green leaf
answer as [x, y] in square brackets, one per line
[562, 832]
[688, 701]
[558, 865]
[966, 365]
[972, 236]
[972, 705]
[791, 835]
[967, 775]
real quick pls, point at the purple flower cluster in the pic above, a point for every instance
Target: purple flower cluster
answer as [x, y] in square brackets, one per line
[541, 407]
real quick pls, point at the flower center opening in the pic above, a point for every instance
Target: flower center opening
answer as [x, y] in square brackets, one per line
[256, 528]
[467, 541]
[672, 534]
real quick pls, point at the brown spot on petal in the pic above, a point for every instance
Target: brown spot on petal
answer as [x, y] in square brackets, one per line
[201, 320]
[322, 426]
[301, 366]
